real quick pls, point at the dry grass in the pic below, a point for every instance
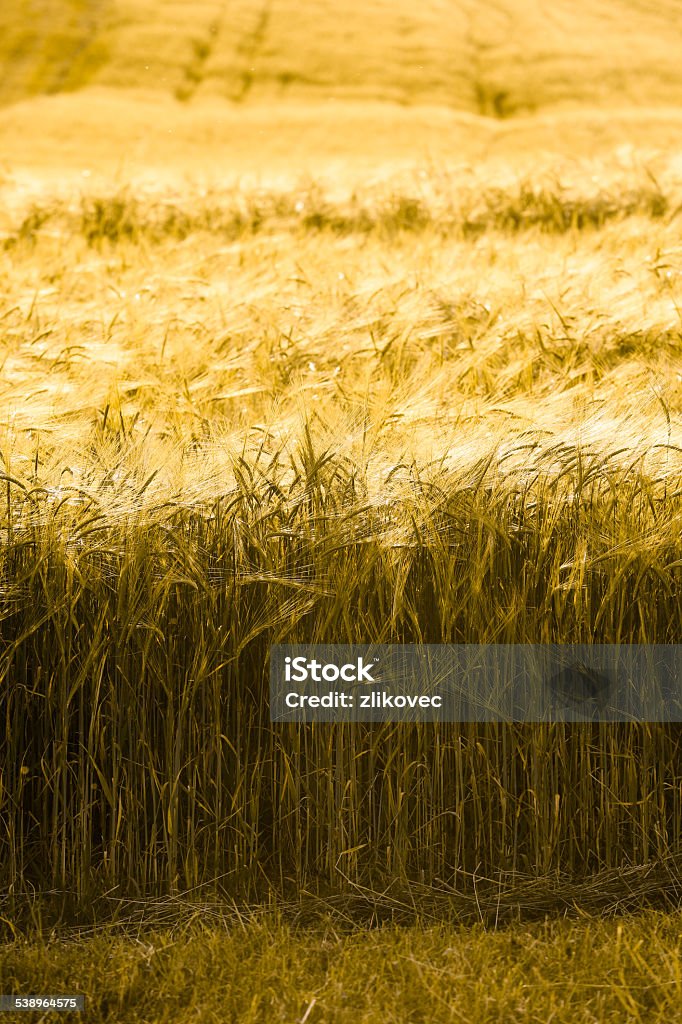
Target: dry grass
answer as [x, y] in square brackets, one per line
[265, 969]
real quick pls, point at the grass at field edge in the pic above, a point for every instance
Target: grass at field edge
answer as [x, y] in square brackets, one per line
[269, 969]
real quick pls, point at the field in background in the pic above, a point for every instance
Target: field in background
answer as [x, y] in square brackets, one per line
[495, 59]
[272, 89]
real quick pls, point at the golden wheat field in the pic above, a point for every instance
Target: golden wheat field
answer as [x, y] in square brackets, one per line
[335, 326]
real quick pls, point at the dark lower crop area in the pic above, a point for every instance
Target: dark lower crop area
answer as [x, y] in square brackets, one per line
[138, 754]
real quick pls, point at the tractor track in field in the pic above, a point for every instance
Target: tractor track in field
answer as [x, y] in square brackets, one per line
[490, 100]
[203, 49]
[89, 24]
[250, 47]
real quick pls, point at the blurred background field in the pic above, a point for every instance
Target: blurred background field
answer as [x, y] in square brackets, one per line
[500, 59]
[226, 89]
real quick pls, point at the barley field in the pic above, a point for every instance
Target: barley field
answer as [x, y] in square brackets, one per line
[389, 356]
[436, 410]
